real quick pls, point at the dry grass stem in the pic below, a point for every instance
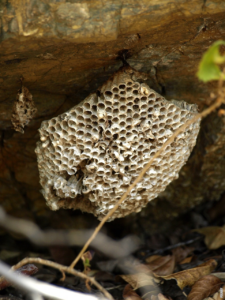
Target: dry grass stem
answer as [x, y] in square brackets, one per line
[201, 115]
[62, 269]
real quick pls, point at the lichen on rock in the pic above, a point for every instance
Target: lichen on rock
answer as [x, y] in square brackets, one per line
[88, 156]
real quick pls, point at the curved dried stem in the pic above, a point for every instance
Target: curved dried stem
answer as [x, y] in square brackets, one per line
[62, 269]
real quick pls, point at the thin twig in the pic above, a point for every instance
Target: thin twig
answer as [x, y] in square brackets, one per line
[36, 289]
[201, 115]
[62, 268]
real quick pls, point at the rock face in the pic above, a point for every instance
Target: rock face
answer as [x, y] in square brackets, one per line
[65, 50]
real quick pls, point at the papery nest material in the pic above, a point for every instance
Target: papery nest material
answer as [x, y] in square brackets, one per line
[89, 155]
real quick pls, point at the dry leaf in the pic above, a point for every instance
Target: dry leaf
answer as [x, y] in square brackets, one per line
[214, 236]
[161, 265]
[23, 109]
[189, 277]
[130, 294]
[187, 260]
[152, 258]
[139, 280]
[204, 287]
[220, 295]
[181, 253]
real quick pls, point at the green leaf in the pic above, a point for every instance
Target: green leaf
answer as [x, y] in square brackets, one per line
[208, 68]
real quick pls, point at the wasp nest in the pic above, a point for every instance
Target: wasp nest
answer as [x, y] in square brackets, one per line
[88, 156]
[23, 109]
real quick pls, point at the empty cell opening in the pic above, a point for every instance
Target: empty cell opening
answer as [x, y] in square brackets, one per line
[94, 108]
[88, 135]
[128, 127]
[87, 105]
[80, 132]
[123, 131]
[87, 113]
[71, 123]
[122, 86]
[100, 172]
[115, 136]
[94, 118]
[170, 114]
[79, 110]
[108, 103]
[108, 133]
[80, 118]
[101, 105]
[115, 90]
[158, 99]
[135, 92]
[129, 120]
[108, 109]
[88, 121]
[129, 112]
[161, 131]
[129, 89]
[162, 117]
[115, 120]
[169, 121]
[116, 97]
[64, 132]
[122, 93]
[128, 134]
[95, 124]
[171, 108]
[176, 118]
[122, 124]
[108, 94]
[58, 127]
[51, 129]
[64, 125]
[135, 107]
[123, 108]
[136, 100]
[73, 114]
[183, 113]
[136, 86]
[162, 110]
[122, 100]
[144, 106]
[143, 114]
[135, 115]
[115, 110]
[150, 109]
[144, 99]
[130, 98]
[122, 138]
[52, 122]
[101, 121]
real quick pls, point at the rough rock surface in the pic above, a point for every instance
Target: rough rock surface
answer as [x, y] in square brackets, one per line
[65, 50]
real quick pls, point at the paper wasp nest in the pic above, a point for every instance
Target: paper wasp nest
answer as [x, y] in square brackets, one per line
[88, 156]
